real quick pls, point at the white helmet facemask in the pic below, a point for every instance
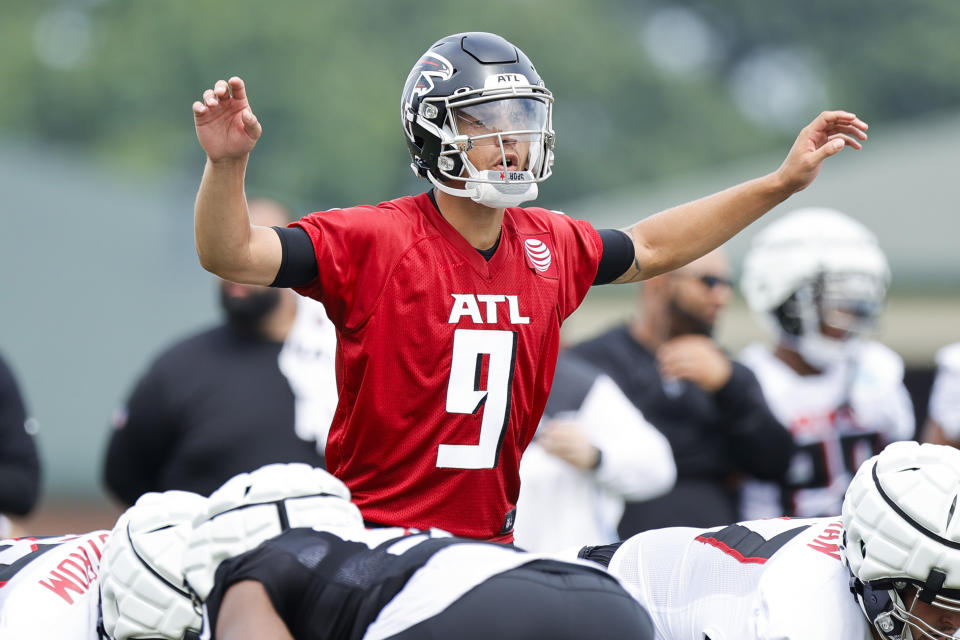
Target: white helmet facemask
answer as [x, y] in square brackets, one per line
[847, 303]
[510, 133]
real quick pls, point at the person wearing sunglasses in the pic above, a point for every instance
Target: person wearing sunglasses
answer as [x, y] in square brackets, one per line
[818, 280]
[709, 407]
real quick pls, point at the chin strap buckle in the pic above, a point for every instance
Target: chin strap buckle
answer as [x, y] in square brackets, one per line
[932, 586]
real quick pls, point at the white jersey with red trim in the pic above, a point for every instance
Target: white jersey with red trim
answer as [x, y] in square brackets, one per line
[49, 587]
[779, 579]
[838, 418]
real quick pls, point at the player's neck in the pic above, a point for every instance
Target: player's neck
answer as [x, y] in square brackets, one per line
[479, 225]
[795, 361]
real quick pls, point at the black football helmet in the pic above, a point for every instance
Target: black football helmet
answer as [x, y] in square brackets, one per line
[476, 89]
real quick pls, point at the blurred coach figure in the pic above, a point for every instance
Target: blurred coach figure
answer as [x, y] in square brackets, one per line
[710, 408]
[232, 398]
[19, 461]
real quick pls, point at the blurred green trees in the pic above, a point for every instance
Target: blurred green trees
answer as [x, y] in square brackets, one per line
[644, 89]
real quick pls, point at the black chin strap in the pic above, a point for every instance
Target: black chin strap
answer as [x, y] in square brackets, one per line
[878, 607]
[932, 586]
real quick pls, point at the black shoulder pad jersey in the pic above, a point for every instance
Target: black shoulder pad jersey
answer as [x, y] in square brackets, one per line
[323, 586]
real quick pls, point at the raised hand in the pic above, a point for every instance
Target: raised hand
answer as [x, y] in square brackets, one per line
[830, 132]
[694, 358]
[226, 126]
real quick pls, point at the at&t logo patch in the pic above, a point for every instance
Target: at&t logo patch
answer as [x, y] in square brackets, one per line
[539, 257]
[538, 254]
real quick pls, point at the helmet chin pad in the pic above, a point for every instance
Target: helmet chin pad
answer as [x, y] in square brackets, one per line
[492, 192]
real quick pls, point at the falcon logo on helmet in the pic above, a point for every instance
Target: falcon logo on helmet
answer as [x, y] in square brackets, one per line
[431, 66]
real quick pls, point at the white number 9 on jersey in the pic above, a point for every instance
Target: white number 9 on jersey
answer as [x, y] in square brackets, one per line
[465, 394]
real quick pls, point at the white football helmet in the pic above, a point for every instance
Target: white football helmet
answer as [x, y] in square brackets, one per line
[142, 594]
[812, 268]
[902, 540]
[253, 507]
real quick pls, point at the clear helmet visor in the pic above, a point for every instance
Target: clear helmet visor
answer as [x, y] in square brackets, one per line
[507, 135]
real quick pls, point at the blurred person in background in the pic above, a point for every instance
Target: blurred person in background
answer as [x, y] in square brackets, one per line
[710, 408]
[448, 304]
[593, 450]
[943, 414]
[19, 460]
[256, 389]
[818, 278]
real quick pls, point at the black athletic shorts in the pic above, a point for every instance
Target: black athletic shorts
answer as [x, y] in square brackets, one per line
[543, 600]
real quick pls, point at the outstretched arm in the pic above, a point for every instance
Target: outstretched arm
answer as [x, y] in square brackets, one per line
[248, 614]
[227, 244]
[674, 237]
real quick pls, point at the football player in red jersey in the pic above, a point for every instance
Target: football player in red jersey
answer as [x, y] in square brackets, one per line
[448, 304]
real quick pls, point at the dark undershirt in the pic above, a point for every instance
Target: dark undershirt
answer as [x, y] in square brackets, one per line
[298, 263]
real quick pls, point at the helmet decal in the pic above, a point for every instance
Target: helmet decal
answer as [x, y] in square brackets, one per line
[431, 65]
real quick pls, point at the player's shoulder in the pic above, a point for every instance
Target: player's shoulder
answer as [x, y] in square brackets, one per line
[538, 219]
[757, 355]
[809, 575]
[881, 361]
[948, 357]
[400, 213]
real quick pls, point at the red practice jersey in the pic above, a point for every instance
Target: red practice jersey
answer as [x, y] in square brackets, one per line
[444, 359]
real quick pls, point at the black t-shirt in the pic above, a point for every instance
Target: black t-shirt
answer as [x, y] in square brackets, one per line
[713, 435]
[19, 462]
[212, 406]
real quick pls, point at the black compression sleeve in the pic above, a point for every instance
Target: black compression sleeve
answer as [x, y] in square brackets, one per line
[298, 266]
[618, 255]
